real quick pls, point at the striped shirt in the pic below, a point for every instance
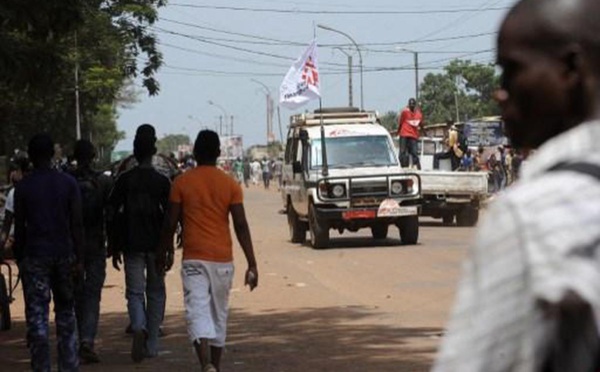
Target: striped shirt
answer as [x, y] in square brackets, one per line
[538, 240]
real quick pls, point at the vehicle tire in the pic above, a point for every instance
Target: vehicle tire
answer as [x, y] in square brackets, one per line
[379, 231]
[468, 216]
[297, 228]
[448, 219]
[5, 321]
[319, 234]
[409, 229]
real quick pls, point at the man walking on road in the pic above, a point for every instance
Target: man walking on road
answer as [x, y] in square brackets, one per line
[529, 299]
[140, 199]
[48, 248]
[203, 198]
[94, 188]
[409, 123]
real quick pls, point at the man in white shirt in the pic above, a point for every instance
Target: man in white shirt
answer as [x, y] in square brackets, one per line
[529, 299]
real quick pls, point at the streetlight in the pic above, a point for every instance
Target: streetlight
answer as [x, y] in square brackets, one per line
[416, 57]
[210, 102]
[269, 110]
[349, 74]
[360, 61]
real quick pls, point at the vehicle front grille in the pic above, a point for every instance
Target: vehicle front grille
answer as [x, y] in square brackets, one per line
[371, 189]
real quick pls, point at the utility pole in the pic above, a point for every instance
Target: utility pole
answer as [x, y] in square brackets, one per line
[270, 105]
[416, 54]
[360, 60]
[416, 62]
[220, 125]
[349, 56]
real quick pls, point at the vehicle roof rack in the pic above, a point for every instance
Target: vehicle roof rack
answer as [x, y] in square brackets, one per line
[330, 116]
[328, 110]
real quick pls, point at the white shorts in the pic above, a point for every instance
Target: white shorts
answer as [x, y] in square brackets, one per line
[206, 287]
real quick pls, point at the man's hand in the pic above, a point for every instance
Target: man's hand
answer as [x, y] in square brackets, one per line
[164, 262]
[117, 261]
[251, 277]
[170, 259]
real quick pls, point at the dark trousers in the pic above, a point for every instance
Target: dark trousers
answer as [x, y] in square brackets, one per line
[454, 160]
[44, 277]
[408, 148]
[87, 295]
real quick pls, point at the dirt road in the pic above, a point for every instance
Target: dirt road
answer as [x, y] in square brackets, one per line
[359, 306]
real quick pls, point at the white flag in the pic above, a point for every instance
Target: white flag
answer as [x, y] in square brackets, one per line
[301, 84]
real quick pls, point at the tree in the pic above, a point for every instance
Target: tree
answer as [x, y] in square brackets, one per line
[170, 143]
[42, 43]
[465, 84]
[390, 121]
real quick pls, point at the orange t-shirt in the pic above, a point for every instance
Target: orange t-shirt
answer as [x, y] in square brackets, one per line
[205, 194]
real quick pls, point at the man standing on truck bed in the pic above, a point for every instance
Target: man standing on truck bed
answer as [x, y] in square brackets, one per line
[409, 121]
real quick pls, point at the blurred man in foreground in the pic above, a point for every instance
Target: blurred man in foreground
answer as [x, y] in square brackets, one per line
[529, 299]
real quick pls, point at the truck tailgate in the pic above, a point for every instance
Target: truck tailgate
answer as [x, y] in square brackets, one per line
[453, 183]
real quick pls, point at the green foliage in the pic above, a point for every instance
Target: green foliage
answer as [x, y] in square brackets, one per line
[41, 45]
[390, 121]
[169, 143]
[471, 85]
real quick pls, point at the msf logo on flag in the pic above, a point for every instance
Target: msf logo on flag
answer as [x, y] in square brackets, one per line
[310, 74]
[301, 84]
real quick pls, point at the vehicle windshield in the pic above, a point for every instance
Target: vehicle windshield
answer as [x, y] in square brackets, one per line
[349, 152]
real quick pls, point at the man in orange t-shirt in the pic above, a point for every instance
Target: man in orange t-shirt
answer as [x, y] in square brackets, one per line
[409, 123]
[202, 199]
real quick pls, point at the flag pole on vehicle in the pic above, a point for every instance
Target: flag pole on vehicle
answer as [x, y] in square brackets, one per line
[300, 85]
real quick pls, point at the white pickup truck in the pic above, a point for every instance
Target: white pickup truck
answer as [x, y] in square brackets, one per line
[447, 194]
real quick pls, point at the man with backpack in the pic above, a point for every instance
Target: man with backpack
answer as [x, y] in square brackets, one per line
[529, 298]
[139, 200]
[95, 189]
[457, 147]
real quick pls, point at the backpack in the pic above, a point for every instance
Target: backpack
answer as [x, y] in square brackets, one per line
[92, 203]
[576, 341]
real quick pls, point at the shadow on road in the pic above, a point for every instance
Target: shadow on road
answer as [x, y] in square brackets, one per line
[327, 339]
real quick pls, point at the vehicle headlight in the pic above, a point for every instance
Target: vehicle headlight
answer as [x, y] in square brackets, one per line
[397, 187]
[338, 191]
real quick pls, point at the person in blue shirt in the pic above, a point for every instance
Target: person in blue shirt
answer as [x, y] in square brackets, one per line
[49, 252]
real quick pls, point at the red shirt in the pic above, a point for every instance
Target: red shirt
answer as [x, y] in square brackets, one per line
[408, 123]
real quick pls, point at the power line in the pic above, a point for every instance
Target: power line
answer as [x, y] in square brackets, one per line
[276, 42]
[339, 12]
[464, 17]
[243, 60]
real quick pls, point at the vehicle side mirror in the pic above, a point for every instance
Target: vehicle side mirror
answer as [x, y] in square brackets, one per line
[297, 167]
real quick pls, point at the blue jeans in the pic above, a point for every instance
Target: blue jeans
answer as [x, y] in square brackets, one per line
[87, 298]
[409, 148]
[43, 278]
[146, 296]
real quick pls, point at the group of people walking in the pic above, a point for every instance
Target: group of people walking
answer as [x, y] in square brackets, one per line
[66, 224]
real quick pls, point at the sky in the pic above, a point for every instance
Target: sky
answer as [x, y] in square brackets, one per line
[231, 52]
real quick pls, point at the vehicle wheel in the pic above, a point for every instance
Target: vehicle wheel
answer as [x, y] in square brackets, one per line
[319, 234]
[297, 227]
[448, 219]
[468, 216]
[409, 229]
[5, 322]
[379, 231]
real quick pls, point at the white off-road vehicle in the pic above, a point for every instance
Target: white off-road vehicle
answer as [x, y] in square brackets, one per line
[341, 172]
